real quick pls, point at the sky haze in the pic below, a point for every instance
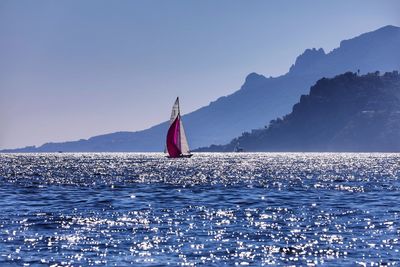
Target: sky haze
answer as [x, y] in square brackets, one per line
[75, 69]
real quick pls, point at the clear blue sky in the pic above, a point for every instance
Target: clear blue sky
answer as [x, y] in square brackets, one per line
[74, 69]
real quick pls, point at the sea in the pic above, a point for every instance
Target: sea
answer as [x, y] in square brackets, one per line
[214, 209]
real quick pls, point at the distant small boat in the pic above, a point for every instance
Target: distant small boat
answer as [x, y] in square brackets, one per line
[238, 148]
[177, 145]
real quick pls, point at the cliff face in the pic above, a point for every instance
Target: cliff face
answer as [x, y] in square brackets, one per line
[345, 113]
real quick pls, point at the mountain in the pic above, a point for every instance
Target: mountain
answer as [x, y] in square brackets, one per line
[259, 100]
[345, 113]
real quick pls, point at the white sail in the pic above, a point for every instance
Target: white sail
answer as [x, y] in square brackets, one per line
[175, 111]
[184, 144]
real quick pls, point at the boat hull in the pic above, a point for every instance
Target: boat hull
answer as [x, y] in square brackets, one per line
[181, 156]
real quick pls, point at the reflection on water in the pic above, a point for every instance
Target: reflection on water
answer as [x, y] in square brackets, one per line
[213, 209]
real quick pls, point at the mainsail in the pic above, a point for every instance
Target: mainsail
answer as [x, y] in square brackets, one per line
[177, 145]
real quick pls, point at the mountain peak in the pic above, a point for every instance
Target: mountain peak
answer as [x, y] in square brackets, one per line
[360, 49]
[308, 59]
[373, 37]
[254, 80]
[388, 29]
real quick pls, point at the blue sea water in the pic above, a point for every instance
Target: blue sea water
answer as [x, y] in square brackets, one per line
[212, 209]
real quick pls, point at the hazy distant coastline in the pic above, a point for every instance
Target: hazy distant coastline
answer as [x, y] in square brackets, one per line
[259, 100]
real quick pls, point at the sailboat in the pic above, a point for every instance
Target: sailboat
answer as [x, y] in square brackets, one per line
[177, 145]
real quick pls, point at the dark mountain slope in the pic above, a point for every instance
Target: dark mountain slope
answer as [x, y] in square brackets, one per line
[346, 113]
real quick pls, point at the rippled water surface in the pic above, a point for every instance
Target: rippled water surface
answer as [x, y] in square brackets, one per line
[212, 209]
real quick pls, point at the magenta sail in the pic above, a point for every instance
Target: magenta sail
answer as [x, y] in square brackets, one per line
[173, 138]
[177, 145]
